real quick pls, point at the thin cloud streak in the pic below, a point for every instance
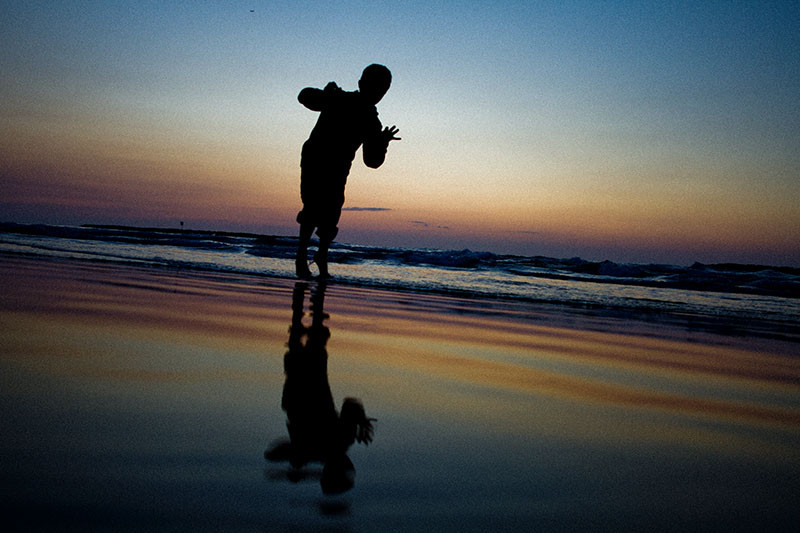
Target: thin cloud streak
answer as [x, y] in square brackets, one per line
[423, 224]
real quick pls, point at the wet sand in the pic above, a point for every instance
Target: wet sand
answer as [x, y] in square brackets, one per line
[144, 399]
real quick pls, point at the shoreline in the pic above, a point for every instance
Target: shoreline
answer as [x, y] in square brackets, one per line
[765, 334]
[725, 281]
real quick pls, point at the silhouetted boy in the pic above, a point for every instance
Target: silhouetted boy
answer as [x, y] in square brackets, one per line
[346, 121]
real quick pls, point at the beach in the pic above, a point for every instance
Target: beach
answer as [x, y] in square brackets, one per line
[144, 398]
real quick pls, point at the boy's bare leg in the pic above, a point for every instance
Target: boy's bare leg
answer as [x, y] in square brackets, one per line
[321, 258]
[301, 261]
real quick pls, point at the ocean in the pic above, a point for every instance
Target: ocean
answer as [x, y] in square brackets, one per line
[763, 300]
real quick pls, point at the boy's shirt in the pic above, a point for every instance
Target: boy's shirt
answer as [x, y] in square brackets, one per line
[345, 123]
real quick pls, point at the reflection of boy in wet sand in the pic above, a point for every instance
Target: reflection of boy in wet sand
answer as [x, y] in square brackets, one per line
[346, 121]
[317, 433]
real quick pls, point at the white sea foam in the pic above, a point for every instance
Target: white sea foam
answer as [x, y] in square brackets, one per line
[759, 297]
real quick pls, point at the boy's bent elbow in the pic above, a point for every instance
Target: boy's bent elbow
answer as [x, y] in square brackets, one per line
[374, 160]
[375, 152]
[311, 98]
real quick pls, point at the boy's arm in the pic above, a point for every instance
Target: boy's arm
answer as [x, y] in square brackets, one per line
[375, 146]
[316, 99]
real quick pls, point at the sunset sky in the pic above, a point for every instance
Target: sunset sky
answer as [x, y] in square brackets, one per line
[631, 130]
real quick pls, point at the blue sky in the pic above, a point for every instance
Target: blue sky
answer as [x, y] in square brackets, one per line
[643, 131]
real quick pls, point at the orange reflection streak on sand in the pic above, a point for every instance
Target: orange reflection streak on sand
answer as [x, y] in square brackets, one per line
[537, 381]
[128, 325]
[425, 336]
[167, 300]
[541, 360]
[630, 348]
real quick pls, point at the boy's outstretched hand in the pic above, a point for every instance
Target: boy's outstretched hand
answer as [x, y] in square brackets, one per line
[389, 134]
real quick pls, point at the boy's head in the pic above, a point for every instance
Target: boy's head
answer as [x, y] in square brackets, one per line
[374, 82]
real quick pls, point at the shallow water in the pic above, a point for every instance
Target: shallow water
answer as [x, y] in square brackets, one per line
[143, 399]
[763, 299]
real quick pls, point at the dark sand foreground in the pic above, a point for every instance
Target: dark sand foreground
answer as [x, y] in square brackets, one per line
[144, 399]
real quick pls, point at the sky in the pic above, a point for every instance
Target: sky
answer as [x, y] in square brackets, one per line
[634, 131]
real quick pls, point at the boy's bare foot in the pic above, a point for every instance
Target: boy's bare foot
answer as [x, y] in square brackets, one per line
[301, 268]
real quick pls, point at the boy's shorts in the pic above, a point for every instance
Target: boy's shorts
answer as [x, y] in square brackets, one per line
[324, 219]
